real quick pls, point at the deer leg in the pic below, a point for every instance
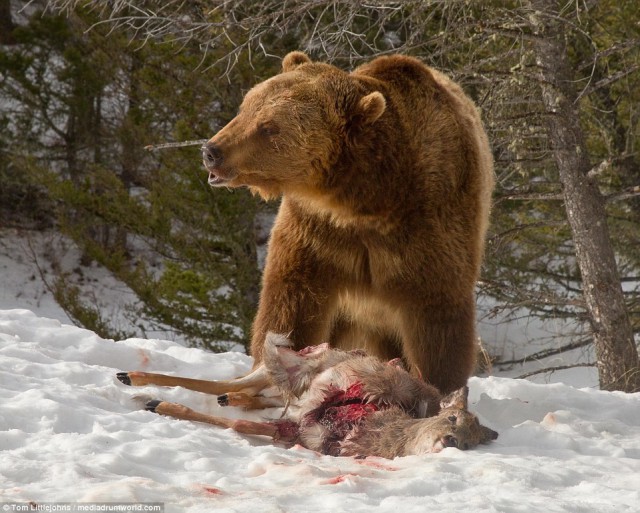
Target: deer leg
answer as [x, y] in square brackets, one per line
[250, 402]
[285, 431]
[251, 384]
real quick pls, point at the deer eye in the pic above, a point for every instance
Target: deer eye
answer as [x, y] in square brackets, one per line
[452, 419]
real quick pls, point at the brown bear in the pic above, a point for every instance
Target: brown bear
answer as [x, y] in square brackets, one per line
[386, 177]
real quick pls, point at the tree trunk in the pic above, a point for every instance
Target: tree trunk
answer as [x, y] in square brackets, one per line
[6, 23]
[617, 355]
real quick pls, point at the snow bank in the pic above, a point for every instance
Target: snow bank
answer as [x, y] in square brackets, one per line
[69, 431]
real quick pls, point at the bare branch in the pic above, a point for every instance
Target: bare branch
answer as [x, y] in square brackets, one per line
[630, 192]
[612, 50]
[554, 369]
[541, 301]
[162, 146]
[532, 196]
[546, 353]
[605, 82]
[600, 168]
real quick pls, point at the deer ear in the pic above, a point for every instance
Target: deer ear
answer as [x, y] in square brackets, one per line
[487, 434]
[294, 59]
[457, 399]
[370, 108]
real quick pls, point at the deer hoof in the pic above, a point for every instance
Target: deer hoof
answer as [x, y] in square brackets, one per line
[223, 400]
[123, 377]
[152, 405]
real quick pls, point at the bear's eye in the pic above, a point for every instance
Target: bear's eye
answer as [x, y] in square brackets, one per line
[268, 129]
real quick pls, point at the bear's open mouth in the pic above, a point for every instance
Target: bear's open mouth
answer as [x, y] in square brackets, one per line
[215, 180]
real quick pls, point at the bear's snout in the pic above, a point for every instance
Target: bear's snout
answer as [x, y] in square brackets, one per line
[211, 156]
[212, 159]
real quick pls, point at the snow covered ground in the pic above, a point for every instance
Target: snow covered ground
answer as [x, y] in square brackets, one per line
[69, 431]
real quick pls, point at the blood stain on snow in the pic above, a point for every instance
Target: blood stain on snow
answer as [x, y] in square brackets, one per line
[367, 462]
[339, 479]
[212, 490]
[144, 357]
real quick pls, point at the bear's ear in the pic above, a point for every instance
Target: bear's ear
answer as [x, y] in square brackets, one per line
[294, 59]
[370, 108]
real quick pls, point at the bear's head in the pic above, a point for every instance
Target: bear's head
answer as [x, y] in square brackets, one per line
[292, 129]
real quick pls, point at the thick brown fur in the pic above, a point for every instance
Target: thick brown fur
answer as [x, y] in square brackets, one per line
[386, 176]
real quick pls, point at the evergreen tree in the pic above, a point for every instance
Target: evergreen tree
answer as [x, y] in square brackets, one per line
[189, 253]
[492, 48]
